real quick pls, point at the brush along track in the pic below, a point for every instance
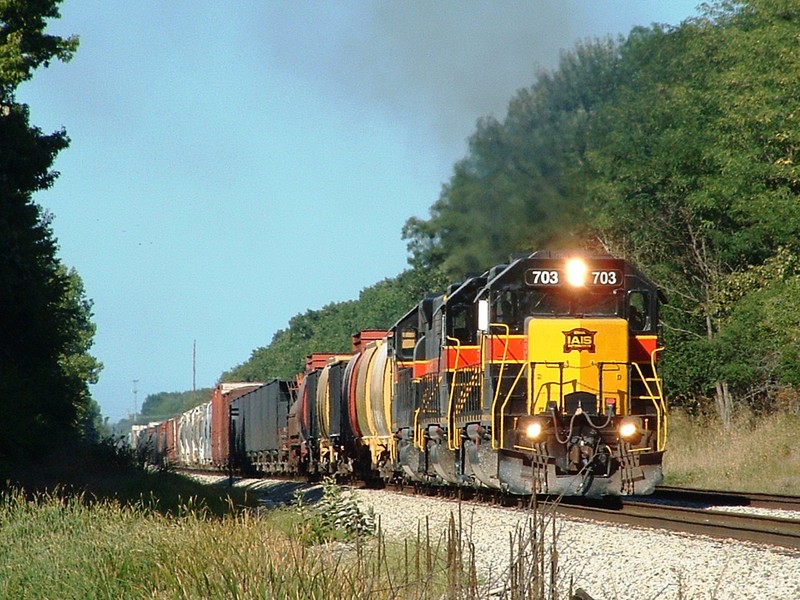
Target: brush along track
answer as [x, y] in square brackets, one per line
[671, 509]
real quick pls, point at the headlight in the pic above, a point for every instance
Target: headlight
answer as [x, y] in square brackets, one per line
[534, 430]
[576, 272]
[629, 429]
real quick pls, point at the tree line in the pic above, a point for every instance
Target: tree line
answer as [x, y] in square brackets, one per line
[46, 330]
[673, 146]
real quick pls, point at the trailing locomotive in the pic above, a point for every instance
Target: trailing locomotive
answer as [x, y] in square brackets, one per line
[539, 376]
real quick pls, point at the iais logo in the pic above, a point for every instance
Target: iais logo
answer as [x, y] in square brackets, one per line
[579, 339]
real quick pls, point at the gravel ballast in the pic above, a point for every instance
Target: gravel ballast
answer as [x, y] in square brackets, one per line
[608, 561]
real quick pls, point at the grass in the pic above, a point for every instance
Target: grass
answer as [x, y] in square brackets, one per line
[56, 546]
[105, 472]
[754, 455]
[111, 530]
[65, 548]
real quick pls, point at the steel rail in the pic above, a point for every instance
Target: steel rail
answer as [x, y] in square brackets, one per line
[647, 512]
[728, 498]
[643, 511]
[774, 531]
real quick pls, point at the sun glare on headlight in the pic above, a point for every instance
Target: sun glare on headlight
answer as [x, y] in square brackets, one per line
[576, 272]
[627, 429]
[534, 430]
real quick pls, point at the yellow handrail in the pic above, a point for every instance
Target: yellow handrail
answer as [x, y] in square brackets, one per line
[503, 407]
[662, 438]
[451, 421]
[420, 441]
[499, 378]
[658, 403]
[417, 432]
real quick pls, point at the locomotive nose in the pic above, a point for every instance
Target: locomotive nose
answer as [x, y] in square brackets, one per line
[581, 359]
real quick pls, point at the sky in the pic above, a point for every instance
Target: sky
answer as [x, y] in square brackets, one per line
[233, 164]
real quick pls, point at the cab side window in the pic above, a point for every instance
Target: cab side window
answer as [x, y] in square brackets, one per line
[638, 311]
[461, 323]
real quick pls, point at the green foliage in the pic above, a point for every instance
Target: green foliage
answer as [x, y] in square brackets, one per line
[675, 147]
[522, 186]
[330, 329]
[23, 44]
[76, 362]
[758, 346]
[695, 179]
[336, 517]
[45, 319]
[67, 547]
[169, 404]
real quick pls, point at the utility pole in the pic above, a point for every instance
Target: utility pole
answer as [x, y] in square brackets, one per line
[135, 403]
[194, 370]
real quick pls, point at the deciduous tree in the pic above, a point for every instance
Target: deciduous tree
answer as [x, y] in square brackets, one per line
[45, 326]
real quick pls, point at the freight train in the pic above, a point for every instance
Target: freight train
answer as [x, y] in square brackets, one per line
[538, 376]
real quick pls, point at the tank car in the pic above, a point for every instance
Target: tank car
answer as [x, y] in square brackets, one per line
[343, 411]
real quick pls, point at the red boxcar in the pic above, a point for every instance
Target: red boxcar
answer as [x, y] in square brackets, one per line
[221, 399]
[171, 438]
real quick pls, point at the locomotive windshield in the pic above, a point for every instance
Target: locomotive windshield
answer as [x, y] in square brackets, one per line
[513, 306]
[548, 285]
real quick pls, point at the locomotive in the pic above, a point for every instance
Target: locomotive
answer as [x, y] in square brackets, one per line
[538, 376]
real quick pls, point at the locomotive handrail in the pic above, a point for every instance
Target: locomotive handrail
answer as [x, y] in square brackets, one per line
[662, 438]
[500, 375]
[451, 421]
[600, 366]
[656, 398]
[547, 363]
[658, 403]
[527, 366]
[419, 436]
[417, 432]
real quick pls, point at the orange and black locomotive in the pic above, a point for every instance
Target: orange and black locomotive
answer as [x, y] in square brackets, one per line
[538, 376]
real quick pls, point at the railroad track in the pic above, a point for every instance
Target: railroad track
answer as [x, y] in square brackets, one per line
[676, 509]
[775, 531]
[720, 498]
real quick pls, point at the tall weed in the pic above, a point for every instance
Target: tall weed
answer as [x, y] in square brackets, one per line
[64, 547]
[756, 454]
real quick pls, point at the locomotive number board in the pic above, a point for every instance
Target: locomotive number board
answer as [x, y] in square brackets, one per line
[603, 278]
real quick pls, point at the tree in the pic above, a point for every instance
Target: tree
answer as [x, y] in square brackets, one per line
[694, 172]
[330, 328]
[160, 406]
[522, 186]
[76, 362]
[44, 317]
[675, 147]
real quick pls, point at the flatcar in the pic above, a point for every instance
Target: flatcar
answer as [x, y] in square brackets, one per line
[538, 376]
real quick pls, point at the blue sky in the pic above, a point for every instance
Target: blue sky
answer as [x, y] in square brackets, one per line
[235, 163]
